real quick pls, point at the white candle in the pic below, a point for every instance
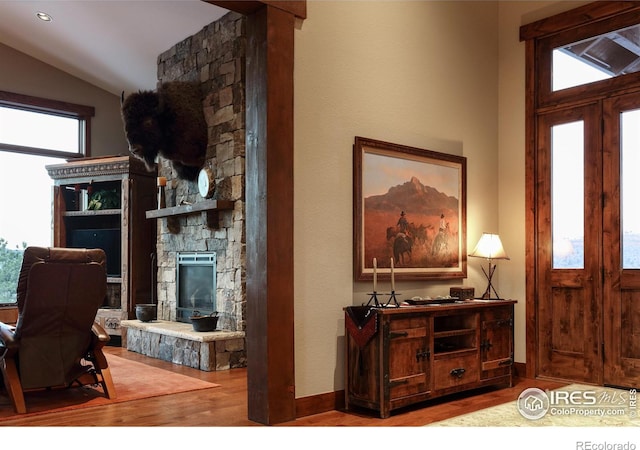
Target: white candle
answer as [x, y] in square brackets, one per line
[375, 274]
[393, 280]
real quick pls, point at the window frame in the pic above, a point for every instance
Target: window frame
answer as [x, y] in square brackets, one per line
[53, 107]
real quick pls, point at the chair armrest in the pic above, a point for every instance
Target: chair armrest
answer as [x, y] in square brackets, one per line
[100, 332]
[100, 339]
[8, 338]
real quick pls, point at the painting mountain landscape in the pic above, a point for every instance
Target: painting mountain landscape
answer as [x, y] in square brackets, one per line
[428, 238]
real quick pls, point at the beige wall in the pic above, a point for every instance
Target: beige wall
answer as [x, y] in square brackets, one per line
[422, 74]
[22, 74]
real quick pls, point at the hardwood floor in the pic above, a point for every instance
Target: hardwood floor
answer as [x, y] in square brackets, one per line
[226, 405]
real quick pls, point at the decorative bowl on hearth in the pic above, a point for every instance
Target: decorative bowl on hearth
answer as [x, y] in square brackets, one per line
[145, 312]
[204, 323]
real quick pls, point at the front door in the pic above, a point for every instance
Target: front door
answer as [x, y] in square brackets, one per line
[589, 242]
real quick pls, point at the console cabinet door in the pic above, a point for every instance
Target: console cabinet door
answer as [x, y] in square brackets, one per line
[408, 356]
[496, 342]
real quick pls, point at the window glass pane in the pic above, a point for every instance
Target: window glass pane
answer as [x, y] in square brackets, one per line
[598, 58]
[630, 187]
[39, 130]
[569, 71]
[25, 196]
[567, 196]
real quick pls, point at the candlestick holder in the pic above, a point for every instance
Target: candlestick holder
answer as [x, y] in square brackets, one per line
[374, 299]
[392, 298]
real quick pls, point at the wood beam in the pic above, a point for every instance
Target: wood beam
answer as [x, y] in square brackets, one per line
[295, 7]
[269, 213]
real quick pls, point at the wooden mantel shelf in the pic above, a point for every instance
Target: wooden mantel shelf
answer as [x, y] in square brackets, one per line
[210, 207]
[181, 210]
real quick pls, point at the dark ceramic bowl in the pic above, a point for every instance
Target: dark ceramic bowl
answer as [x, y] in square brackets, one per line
[145, 312]
[204, 323]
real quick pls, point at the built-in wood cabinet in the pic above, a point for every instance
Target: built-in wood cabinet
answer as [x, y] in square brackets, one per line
[101, 203]
[422, 352]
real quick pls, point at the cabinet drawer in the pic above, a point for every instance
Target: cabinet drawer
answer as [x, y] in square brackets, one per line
[455, 371]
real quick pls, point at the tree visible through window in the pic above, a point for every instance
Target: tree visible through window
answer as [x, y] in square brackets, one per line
[34, 133]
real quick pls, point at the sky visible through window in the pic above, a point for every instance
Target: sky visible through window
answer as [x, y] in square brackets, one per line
[25, 186]
[25, 196]
[39, 130]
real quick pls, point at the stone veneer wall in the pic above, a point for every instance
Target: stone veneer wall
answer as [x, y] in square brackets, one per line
[215, 57]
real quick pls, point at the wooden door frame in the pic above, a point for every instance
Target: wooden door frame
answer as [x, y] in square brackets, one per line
[530, 33]
[269, 211]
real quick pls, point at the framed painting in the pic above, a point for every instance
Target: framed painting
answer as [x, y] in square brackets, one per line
[409, 206]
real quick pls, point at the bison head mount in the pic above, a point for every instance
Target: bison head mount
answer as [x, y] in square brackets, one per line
[169, 123]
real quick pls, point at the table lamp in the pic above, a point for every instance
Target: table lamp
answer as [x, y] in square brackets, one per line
[490, 247]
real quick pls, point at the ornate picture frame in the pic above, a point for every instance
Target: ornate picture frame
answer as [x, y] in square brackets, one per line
[409, 204]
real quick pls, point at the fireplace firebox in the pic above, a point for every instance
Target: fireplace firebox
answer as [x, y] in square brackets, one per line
[195, 285]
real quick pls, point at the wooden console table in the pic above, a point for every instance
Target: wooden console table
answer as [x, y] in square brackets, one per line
[419, 353]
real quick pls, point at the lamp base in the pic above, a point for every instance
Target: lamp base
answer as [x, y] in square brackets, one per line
[487, 292]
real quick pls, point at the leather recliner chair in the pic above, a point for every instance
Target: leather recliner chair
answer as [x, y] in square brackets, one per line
[56, 342]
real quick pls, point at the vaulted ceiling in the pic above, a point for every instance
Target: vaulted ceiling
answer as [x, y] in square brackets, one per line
[112, 44]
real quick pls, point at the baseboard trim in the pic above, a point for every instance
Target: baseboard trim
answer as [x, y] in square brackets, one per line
[316, 404]
[520, 370]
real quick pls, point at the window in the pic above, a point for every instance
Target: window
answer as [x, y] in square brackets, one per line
[55, 133]
[600, 57]
[34, 133]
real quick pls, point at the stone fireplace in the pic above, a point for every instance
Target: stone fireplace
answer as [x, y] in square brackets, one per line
[214, 57]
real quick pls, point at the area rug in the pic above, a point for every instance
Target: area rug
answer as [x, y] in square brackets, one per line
[132, 380]
[575, 405]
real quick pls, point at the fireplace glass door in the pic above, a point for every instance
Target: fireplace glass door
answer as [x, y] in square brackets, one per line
[196, 285]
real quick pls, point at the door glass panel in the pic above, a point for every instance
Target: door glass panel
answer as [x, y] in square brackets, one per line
[597, 58]
[630, 187]
[567, 195]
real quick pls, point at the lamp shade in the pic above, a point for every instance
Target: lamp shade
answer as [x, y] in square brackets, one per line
[489, 246]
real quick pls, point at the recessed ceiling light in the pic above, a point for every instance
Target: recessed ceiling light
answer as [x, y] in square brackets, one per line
[43, 16]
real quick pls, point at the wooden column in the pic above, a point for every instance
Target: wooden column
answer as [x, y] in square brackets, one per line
[269, 205]
[269, 214]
